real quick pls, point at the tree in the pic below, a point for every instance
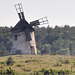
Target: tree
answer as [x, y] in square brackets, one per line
[63, 51]
[57, 45]
[46, 49]
[72, 48]
[4, 53]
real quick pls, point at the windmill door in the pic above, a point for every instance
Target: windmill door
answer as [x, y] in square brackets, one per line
[32, 50]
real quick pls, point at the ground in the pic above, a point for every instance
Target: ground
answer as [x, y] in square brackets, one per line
[26, 64]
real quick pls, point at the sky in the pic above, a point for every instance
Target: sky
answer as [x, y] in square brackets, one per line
[58, 12]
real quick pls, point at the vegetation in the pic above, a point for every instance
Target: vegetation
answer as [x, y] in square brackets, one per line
[38, 65]
[5, 41]
[58, 40]
[53, 72]
[7, 72]
[10, 61]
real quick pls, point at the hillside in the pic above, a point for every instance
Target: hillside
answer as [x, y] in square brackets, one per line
[28, 64]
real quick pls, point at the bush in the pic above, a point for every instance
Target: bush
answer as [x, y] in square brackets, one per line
[66, 62]
[27, 61]
[2, 62]
[65, 72]
[10, 61]
[52, 72]
[38, 52]
[43, 70]
[10, 71]
[7, 72]
[27, 70]
[57, 64]
[19, 65]
[46, 73]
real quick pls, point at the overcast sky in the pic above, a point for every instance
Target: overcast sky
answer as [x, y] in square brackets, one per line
[58, 12]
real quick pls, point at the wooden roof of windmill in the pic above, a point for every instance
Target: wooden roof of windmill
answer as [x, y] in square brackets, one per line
[23, 25]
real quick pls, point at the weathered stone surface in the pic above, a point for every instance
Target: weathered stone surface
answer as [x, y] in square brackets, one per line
[21, 46]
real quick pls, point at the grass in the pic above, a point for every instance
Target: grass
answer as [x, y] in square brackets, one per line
[26, 64]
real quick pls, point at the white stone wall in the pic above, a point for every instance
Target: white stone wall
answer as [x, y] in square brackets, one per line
[23, 45]
[33, 43]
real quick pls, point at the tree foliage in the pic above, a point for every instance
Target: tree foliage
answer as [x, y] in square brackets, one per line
[5, 41]
[58, 40]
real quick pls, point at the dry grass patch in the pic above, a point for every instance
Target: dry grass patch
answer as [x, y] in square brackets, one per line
[30, 63]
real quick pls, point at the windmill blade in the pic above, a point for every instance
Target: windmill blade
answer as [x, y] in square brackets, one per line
[22, 15]
[19, 10]
[35, 23]
[40, 21]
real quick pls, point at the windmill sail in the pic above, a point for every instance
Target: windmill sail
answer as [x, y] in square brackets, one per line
[22, 14]
[35, 23]
[40, 21]
[19, 10]
[19, 15]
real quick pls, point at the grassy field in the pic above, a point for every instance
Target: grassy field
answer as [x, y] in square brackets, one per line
[27, 64]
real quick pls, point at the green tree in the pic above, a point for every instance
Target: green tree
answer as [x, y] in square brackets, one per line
[72, 48]
[57, 45]
[46, 49]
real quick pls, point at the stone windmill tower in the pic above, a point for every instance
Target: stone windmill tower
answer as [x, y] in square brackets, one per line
[23, 39]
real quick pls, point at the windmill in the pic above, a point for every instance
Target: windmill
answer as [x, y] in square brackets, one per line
[23, 33]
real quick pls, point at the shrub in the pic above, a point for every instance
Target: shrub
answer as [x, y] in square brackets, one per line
[46, 73]
[65, 72]
[38, 51]
[2, 62]
[52, 72]
[1, 66]
[7, 72]
[27, 70]
[10, 61]
[66, 62]
[43, 70]
[1, 71]
[18, 65]
[10, 71]
[57, 64]
[27, 61]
